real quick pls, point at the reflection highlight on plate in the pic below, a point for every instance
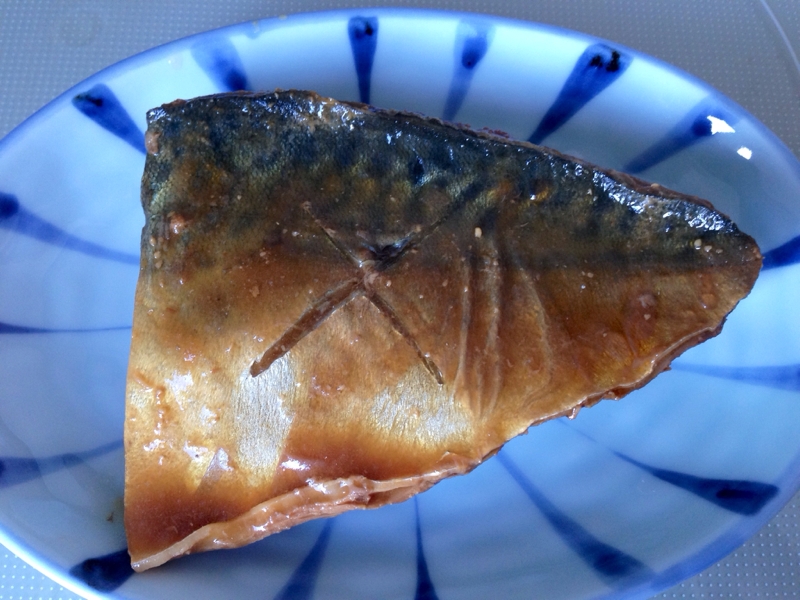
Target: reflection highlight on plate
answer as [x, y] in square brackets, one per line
[706, 119]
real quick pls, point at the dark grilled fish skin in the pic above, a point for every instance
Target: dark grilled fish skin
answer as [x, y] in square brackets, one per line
[338, 306]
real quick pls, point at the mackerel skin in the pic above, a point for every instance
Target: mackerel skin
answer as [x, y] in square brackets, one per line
[339, 306]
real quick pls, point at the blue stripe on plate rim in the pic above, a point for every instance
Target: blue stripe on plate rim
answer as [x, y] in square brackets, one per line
[217, 56]
[718, 548]
[222, 63]
[363, 34]
[473, 38]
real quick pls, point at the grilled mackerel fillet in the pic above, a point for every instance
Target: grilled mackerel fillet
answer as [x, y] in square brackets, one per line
[338, 306]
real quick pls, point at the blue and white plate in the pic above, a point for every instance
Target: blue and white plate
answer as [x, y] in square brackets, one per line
[623, 501]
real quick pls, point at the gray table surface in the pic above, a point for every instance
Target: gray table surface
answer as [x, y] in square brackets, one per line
[747, 49]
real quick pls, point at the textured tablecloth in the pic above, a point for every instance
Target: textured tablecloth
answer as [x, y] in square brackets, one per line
[744, 48]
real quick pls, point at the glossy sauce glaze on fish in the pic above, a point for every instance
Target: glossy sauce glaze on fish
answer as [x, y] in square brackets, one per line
[338, 306]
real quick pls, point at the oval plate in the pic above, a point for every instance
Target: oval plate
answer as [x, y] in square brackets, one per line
[623, 501]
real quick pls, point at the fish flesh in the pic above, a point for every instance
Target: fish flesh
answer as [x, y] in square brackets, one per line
[339, 306]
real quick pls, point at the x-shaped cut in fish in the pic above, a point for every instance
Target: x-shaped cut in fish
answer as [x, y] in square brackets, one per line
[381, 259]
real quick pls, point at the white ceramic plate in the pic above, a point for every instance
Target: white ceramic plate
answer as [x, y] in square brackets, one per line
[624, 501]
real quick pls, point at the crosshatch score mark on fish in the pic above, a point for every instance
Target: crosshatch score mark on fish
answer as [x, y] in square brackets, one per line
[361, 284]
